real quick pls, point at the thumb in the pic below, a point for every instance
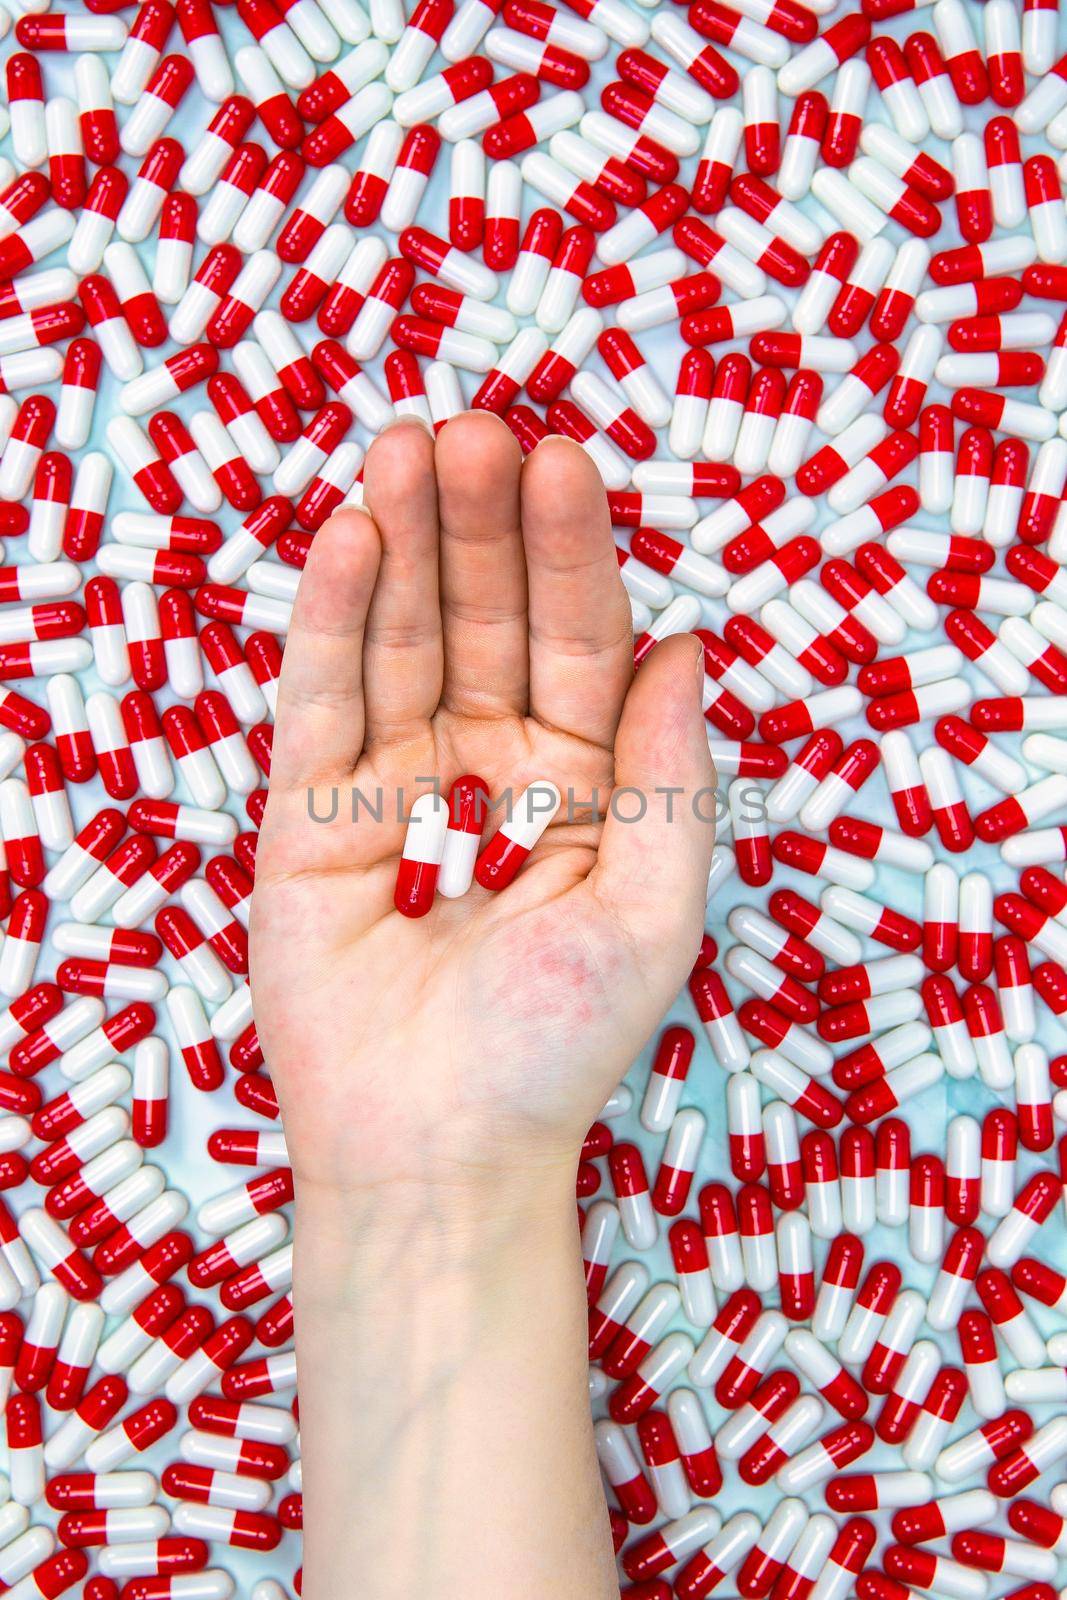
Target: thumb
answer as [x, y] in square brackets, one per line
[655, 851]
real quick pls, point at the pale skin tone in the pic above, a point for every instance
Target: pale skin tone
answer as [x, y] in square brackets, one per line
[437, 1076]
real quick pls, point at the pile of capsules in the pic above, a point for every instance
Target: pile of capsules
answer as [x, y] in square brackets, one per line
[795, 276]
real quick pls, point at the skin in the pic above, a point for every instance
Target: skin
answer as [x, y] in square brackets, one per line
[437, 1076]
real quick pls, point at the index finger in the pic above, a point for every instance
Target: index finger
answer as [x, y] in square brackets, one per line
[581, 635]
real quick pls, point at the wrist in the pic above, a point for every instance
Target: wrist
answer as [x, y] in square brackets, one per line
[441, 1341]
[357, 1243]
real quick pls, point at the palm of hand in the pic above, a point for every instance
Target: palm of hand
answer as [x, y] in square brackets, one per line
[493, 1029]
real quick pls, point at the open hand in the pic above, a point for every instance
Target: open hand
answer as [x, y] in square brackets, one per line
[471, 620]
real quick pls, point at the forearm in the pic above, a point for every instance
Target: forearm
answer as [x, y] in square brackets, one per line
[447, 1446]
